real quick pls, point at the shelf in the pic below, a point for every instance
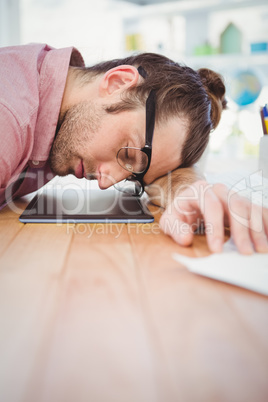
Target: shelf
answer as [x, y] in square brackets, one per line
[227, 60]
[151, 8]
[196, 19]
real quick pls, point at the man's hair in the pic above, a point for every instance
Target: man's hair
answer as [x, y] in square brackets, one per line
[195, 96]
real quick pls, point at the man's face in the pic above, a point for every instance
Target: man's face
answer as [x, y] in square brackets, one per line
[89, 139]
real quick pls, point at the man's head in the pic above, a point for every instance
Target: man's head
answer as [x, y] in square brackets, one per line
[104, 109]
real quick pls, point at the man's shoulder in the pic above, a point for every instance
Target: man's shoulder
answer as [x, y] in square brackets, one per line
[19, 81]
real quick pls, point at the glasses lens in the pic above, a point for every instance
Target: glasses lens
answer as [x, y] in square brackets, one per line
[131, 187]
[132, 159]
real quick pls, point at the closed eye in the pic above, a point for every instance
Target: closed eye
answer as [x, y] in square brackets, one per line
[126, 152]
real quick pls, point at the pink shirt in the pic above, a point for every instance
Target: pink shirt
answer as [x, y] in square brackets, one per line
[32, 81]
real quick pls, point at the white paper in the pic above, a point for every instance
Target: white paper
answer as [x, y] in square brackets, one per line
[250, 272]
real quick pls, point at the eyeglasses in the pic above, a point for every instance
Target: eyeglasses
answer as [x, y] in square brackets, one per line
[137, 160]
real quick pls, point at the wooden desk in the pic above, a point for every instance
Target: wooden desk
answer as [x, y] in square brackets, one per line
[91, 314]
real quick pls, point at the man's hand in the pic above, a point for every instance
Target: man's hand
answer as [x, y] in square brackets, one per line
[216, 206]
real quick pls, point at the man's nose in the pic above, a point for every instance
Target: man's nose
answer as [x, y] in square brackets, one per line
[110, 175]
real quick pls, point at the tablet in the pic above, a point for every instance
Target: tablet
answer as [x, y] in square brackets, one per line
[57, 205]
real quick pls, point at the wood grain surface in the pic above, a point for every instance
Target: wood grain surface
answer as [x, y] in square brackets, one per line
[102, 313]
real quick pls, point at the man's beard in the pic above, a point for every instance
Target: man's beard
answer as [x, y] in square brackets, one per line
[76, 130]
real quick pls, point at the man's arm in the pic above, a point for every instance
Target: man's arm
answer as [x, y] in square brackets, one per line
[164, 189]
[189, 200]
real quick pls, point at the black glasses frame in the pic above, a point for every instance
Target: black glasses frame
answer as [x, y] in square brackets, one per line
[147, 149]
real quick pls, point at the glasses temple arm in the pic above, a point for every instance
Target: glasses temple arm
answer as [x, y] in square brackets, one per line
[150, 111]
[150, 118]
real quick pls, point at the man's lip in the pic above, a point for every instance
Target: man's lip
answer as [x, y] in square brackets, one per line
[79, 171]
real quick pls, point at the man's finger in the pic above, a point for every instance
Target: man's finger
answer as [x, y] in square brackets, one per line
[213, 213]
[257, 229]
[246, 222]
[176, 226]
[180, 219]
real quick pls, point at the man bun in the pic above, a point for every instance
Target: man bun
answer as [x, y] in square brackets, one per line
[215, 88]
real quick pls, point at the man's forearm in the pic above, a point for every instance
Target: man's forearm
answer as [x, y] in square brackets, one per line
[162, 191]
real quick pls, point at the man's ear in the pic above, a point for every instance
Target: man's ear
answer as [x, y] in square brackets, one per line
[118, 79]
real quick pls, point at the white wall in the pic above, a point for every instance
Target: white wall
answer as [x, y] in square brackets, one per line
[93, 26]
[9, 22]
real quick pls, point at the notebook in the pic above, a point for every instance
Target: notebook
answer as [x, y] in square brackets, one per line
[247, 271]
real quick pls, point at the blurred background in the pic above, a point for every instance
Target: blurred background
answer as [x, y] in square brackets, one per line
[229, 36]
